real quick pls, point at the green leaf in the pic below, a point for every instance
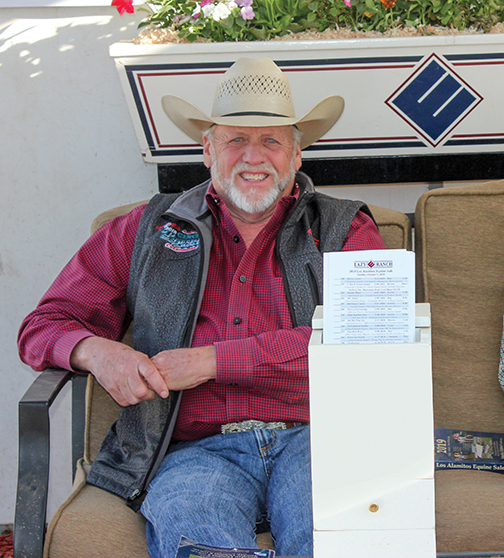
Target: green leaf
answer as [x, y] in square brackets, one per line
[285, 20]
[227, 23]
[296, 27]
[260, 34]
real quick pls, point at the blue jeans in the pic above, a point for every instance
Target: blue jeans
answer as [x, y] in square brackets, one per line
[216, 490]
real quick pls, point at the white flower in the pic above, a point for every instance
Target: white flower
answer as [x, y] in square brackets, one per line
[208, 9]
[221, 11]
[232, 5]
[196, 10]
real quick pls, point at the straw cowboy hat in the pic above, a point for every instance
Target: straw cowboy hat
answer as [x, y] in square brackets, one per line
[254, 92]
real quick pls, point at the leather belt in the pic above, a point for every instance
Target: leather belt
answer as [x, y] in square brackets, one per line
[248, 425]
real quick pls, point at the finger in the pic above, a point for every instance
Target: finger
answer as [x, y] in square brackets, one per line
[121, 395]
[153, 378]
[136, 390]
[161, 360]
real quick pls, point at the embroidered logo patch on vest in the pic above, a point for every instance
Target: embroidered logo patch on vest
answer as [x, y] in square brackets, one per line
[179, 240]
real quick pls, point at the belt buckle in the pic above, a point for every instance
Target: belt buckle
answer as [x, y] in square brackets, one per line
[249, 425]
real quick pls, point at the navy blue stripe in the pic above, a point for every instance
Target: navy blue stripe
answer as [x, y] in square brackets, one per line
[141, 113]
[281, 63]
[377, 145]
[475, 56]
[341, 61]
[314, 62]
[481, 141]
[169, 152]
[179, 66]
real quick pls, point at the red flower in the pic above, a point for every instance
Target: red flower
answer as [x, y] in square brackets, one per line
[124, 6]
[388, 3]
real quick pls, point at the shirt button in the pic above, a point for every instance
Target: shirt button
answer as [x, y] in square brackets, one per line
[242, 278]
[234, 385]
[237, 321]
[236, 239]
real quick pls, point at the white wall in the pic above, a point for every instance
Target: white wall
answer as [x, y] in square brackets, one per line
[67, 152]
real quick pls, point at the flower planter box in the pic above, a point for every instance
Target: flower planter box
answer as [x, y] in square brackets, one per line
[414, 97]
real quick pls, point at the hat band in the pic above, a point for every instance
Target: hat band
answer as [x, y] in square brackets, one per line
[255, 113]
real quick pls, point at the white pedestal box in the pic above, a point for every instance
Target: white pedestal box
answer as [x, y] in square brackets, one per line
[372, 446]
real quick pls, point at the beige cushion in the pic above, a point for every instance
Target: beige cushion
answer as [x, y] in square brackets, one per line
[460, 271]
[101, 412]
[469, 511]
[93, 522]
[110, 214]
[394, 227]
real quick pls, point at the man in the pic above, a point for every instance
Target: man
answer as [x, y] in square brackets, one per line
[221, 283]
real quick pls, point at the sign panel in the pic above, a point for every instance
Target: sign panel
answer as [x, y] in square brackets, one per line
[403, 96]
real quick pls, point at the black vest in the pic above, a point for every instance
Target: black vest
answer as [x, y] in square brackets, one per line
[165, 289]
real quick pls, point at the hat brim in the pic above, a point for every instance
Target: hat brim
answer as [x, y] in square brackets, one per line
[314, 124]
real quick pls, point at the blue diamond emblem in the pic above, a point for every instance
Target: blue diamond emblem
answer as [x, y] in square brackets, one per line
[434, 100]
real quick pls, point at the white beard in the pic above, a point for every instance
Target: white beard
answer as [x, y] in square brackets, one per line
[253, 200]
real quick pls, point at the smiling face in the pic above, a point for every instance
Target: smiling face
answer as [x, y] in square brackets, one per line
[252, 167]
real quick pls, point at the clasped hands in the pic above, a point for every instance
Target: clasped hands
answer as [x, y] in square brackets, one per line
[130, 376]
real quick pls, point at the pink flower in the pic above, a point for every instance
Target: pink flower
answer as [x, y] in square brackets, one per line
[124, 6]
[348, 3]
[247, 12]
[205, 2]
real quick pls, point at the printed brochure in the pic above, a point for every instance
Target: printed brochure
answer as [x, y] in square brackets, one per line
[191, 549]
[466, 449]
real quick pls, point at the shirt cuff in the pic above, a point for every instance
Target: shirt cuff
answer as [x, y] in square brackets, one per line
[64, 346]
[234, 363]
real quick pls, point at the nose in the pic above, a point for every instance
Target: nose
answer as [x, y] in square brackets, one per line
[254, 153]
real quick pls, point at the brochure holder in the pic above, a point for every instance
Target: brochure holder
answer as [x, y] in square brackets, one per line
[372, 446]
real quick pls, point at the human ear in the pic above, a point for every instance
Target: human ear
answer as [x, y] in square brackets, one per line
[207, 153]
[298, 157]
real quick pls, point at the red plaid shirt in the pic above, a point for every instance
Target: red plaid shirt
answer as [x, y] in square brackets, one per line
[262, 362]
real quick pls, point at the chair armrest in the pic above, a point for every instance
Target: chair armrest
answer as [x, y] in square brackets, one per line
[33, 462]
